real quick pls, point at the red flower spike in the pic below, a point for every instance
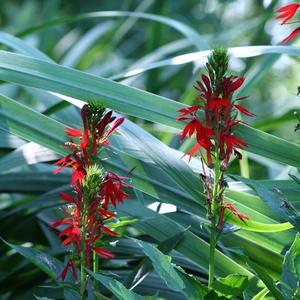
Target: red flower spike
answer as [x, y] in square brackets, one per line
[292, 36]
[287, 12]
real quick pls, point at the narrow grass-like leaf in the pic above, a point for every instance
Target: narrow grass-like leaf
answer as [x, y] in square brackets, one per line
[290, 278]
[185, 30]
[27, 71]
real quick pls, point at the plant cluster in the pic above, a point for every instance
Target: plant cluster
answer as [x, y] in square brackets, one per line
[94, 191]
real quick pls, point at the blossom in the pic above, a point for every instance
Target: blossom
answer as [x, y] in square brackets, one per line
[111, 190]
[287, 12]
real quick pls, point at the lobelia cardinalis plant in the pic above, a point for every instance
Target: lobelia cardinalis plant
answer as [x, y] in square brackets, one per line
[215, 138]
[286, 13]
[94, 190]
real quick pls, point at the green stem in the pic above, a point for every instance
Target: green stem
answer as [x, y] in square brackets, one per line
[95, 269]
[213, 228]
[83, 275]
[212, 247]
[83, 258]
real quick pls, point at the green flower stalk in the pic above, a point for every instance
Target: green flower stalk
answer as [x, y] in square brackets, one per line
[216, 142]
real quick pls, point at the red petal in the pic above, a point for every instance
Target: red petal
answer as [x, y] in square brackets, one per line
[292, 36]
[64, 272]
[103, 253]
[244, 111]
[108, 231]
[66, 197]
[73, 132]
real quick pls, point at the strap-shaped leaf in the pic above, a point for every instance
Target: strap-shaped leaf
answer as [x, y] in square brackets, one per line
[37, 73]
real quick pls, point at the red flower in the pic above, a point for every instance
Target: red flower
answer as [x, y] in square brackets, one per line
[104, 253]
[111, 189]
[292, 36]
[287, 12]
[65, 270]
[231, 207]
[244, 111]
[232, 141]
[187, 111]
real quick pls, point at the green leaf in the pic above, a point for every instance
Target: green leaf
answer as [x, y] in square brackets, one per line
[145, 266]
[291, 271]
[274, 202]
[232, 285]
[116, 287]
[33, 72]
[22, 47]
[162, 265]
[30, 125]
[48, 264]
[261, 295]
[267, 280]
[194, 289]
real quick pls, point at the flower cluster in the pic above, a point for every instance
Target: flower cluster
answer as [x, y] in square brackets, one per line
[94, 190]
[212, 122]
[287, 13]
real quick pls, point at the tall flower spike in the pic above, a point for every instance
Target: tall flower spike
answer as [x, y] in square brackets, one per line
[87, 214]
[214, 135]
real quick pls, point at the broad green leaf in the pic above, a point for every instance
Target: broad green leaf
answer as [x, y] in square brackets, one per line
[162, 265]
[33, 72]
[145, 266]
[160, 227]
[194, 289]
[48, 264]
[116, 287]
[232, 285]
[291, 271]
[268, 281]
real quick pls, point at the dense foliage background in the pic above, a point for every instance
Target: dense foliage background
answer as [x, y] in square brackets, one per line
[148, 45]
